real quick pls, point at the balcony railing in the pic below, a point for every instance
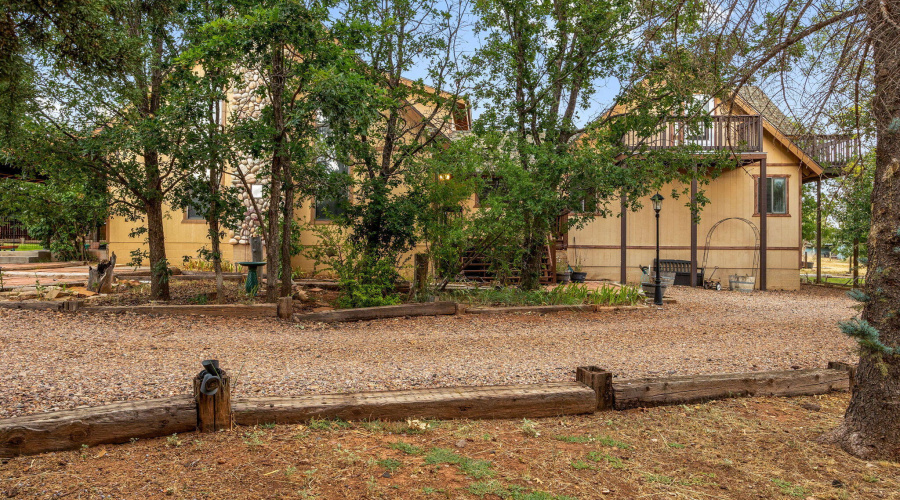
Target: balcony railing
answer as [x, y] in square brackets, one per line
[832, 151]
[739, 133]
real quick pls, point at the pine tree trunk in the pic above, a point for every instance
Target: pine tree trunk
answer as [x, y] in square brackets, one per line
[871, 426]
[159, 272]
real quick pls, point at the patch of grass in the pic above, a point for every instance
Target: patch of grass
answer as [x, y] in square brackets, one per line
[614, 462]
[428, 490]
[608, 441]
[389, 464]
[28, 247]
[511, 492]
[254, 438]
[677, 446]
[659, 478]
[476, 469]
[581, 465]
[871, 479]
[269, 425]
[574, 439]
[407, 448]
[327, 424]
[789, 489]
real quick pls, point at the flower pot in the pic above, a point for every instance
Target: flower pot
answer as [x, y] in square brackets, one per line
[579, 277]
[563, 277]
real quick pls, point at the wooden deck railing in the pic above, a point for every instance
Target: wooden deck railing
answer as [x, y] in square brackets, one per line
[829, 150]
[740, 133]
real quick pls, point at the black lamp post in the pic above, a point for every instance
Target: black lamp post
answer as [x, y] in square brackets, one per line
[657, 290]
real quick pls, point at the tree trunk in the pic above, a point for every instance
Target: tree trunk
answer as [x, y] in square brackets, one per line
[159, 265]
[276, 94]
[287, 217]
[530, 277]
[871, 426]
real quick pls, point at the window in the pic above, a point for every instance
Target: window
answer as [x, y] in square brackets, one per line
[329, 208]
[192, 212]
[776, 195]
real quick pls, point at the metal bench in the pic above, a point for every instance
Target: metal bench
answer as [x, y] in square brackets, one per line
[682, 270]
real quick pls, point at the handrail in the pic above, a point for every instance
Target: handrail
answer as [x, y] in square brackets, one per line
[742, 133]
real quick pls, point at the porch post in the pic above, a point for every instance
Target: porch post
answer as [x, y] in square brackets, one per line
[694, 229]
[819, 230]
[623, 244]
[763, 212]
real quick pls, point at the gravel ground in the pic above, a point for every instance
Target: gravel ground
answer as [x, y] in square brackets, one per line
[52, 361]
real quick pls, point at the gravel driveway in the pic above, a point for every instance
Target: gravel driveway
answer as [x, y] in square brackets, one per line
[50, 361]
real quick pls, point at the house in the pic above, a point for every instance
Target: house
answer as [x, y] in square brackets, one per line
[733, 234]
[186, 230]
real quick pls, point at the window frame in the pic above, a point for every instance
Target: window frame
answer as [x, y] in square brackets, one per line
[787, 195]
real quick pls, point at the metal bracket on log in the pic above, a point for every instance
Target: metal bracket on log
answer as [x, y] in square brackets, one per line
[600, 381]
[212, 392]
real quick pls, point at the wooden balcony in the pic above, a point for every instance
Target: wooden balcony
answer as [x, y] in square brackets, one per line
[832, 151]
[738, 133]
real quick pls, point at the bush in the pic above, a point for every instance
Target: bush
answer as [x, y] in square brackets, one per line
[571, 294]
[365, 280]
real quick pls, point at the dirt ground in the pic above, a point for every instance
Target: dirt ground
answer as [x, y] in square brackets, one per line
[756, 448]
[54, 361]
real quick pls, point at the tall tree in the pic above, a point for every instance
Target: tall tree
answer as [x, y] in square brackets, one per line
[543, 62]
[101, 82]
[287, 73]
[400, 121]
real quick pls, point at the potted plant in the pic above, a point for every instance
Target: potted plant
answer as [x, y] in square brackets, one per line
[578, 276]
[563, 275]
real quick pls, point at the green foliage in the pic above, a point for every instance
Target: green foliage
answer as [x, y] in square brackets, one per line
[569, 294]
[787, 488]
[366, 280]
[866, 335]
[389, 464]
[407, 448]
[511, 492]
[476, 469]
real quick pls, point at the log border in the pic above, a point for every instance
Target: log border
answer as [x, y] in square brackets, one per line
[593, 390]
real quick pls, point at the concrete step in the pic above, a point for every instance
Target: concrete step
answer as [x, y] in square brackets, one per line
[29, 257]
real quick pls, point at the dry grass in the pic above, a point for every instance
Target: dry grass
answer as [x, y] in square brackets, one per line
[734, 449]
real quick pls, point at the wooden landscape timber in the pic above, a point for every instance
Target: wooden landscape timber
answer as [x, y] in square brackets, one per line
[512, 401]
[367, 313]
[227, 310]
[114, 423]
[44, 305]
[593, 390]
[693, 388]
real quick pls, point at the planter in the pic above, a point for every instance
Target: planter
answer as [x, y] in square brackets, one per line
[650, 289]
[578, 277]
[741, 283]
[563, 277]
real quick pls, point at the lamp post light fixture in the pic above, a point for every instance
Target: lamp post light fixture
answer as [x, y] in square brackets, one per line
[657, 200]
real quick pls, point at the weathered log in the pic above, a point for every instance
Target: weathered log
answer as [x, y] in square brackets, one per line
[530, 309]
[600, 381]
[114, 423]
[213, 399]
[693, 388]
[285, 308]
[228, 310]
[514, 401]
[366, 313]
[100, 279]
